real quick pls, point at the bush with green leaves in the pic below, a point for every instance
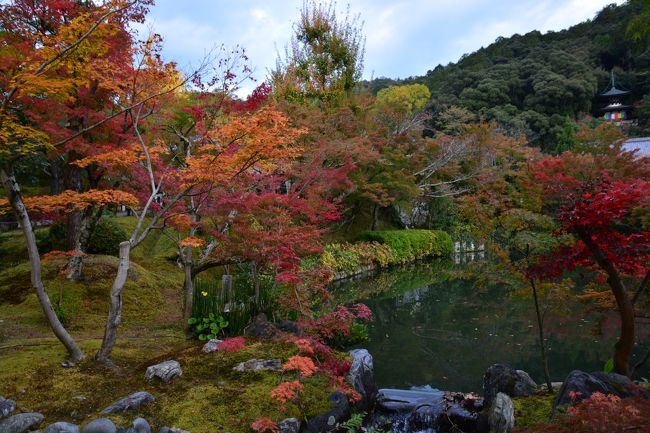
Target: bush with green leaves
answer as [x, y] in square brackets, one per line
[380, 249]
[105, 239]
[207, 328]
[410, 245]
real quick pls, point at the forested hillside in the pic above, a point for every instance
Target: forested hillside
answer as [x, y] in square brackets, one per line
[539, 84]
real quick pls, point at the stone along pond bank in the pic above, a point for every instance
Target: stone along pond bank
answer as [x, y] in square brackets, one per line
[418, 409]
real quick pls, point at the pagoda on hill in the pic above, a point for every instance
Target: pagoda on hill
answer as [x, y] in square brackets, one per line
[616, 110]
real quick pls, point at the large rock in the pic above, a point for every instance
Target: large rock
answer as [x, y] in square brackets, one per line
[580, 385]
[6, 407]
[211, 346]
[503, 378]
[427, 409]
[289, 327]
[502, 414]
[327, 422]
[259, 365]
[362, 378]
[62, 427]
[289, 425]
[165, 371]
[130, 403]
[462, 412]
[21, 422]
[261, 328]
[100, 425]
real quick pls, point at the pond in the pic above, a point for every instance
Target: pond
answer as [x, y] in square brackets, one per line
[434, 327]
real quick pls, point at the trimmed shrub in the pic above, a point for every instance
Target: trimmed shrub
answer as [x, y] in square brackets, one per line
[105, 239]
[409, 245]
[382, 249]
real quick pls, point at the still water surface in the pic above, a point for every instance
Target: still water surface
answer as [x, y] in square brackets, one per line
[445, 332]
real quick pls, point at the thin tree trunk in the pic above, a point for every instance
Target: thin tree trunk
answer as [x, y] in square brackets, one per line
[13, 195]
[625, 343]
[256, 283]
[87, 226]
[375, 217]
[115, 306]
[188, 284]
[542, 345]
[72, 181]
[55, 176]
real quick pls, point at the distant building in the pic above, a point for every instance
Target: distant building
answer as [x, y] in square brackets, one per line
[616, 110]
[640, 144]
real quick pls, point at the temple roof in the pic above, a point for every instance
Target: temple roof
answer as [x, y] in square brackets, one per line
[615, 107]
[613, 90]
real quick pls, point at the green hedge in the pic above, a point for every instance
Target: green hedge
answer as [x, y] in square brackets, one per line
[385, 248]
[409, 245]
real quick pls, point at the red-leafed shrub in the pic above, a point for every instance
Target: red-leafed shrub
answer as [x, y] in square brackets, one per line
[287, 391]
[234, 344]
[264, 425]
[600, 413]
[302, 364]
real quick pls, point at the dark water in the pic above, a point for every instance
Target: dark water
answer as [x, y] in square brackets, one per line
[445, 332]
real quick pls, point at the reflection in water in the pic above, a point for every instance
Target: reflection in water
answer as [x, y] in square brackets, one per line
[443, 332]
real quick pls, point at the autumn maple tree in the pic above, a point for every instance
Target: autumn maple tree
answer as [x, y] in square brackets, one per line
[55, 53]
[596, 200]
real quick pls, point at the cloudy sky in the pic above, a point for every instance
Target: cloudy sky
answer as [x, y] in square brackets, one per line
[403, 37]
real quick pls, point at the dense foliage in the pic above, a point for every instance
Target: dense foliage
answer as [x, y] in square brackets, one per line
[105, 238]
[541, 84]
[406, 246]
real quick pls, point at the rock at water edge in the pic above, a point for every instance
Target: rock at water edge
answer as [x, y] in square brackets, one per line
[328, 422]
[503, 378]
[362, 378]
[582, 385]
[502, 414]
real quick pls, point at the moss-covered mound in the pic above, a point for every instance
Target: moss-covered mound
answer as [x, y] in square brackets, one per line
[208, 397]
[148, 296]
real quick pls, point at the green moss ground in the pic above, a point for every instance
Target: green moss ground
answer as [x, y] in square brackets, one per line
[209, 397]
[532, 410]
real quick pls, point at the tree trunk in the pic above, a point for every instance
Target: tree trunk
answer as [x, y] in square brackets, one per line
[87, 226]
[256, 282]
[625, 343]
[542, 345]
[72, 181]
[188, 285]
[55, 176]
[115, 306]
[13, 195]
[375, 217]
